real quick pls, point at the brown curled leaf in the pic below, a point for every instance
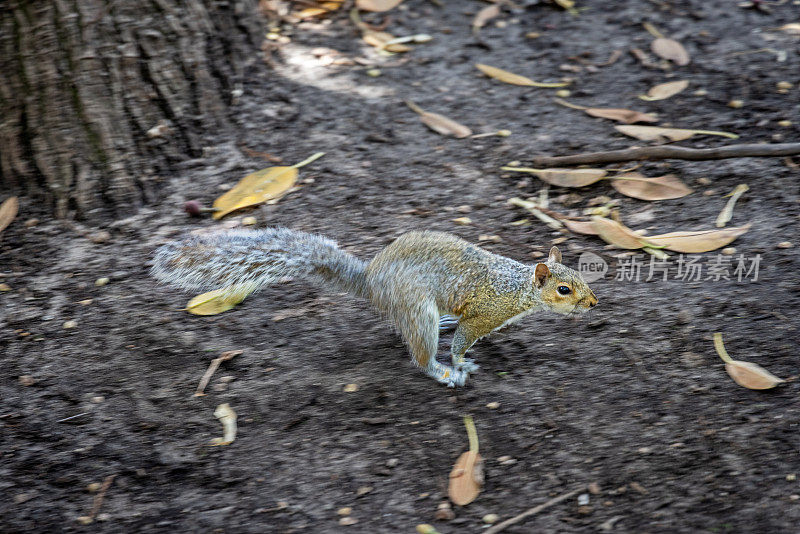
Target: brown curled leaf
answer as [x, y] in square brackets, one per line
[564, 177]
[746, 374]
[694, 242]
[661, 188]
[663, 91]
[8, 211]
[670, 49]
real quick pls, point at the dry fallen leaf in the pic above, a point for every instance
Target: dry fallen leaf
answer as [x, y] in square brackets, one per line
[657, 133]
[466, 478]
[383, 41]
[746, 374]
[663, 91]
[793, 28]
[259, 187]
[485, 15]
[661, 188]
[564, 177]
[377, 5]
[323, 8]
[227, 417]
[217, 301]
[514, 79]
[579, 226]
[618, 234]
[439, 123]
[694, 242]
[627, 116]
[726, 214]
[670, 49]
[8, 211]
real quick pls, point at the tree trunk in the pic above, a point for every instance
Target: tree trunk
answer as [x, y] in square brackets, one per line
[99, 97]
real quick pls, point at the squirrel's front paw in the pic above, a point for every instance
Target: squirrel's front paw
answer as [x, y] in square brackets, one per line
[467, 365]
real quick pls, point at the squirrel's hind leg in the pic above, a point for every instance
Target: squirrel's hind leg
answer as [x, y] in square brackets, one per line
[420, 328]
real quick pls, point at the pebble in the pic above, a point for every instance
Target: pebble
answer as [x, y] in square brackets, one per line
[100, 282]
[85, 302]
[5, 287]
[97, 399]
[93, 487]
[344, 511]
[736, 104]
[444, 514]
[463, 221]
[100, 237]
[464, 208]
[594, 488]
[392, 462]
[363, 490]
[493, 405]
[84, 520]
[68, 325]
[350, 388]
[490, 519]
[27, 380]
[347, 521]
[249, 221]
[30, 223]
[785, 244]
[729, 251]
[684, 317]
[785, 123]
[583, 499]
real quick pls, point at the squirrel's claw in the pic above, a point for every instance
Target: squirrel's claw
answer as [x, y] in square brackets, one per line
[448, 375]
[467, 365]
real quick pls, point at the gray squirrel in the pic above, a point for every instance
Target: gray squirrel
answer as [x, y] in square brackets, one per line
[421, 281]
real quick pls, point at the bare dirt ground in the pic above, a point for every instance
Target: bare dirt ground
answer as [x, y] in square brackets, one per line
[631, 397]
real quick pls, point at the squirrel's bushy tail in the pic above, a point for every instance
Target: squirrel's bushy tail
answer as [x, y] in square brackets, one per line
[257, 258]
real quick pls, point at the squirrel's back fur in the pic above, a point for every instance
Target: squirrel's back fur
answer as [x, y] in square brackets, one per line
[255, 259]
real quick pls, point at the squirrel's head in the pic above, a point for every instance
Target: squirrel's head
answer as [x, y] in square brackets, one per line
[562, 289]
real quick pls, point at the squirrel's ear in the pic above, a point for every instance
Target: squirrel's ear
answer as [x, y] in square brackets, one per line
[540, 275]
[555, 255]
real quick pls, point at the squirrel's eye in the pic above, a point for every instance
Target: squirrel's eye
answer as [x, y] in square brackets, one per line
[564, 290]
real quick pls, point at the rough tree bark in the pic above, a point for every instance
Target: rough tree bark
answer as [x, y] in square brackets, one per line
[99, 97]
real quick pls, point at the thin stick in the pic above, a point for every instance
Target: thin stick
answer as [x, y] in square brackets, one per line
[212, 368]
[673, 152]
[533, 511]
[101, 494]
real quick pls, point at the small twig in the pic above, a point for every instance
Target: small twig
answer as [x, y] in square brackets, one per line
[212, 368]
[533, 511]
[101, 494]
[673, 152]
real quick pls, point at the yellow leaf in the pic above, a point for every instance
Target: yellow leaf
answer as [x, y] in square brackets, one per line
[377, 5]
[657, 133]
[661, 188]
[227, 417]
[670, 49]
[793, 28]
[663, 91]
[514, 79]
[256, 188]
[8, 211]
[563, 177]
[694, 242]
[323, 9]
[217, 301]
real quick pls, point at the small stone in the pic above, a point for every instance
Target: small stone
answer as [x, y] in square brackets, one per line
[464, 209]
[563, 93]
[510, 461]
[84, 520]
[85, 302]
[684, 317]
[794, 497]
[100, 282]
[103, 516]
[502, 459]
[350, 388]
[100, 237]
[729, 251]
[700, 92]
[791, 477]
[98, 399]
[424, 528]
[559, 240]
[249, 221]
[363, 490]
[462, 221]
[490, 519]
[392, 462]
[5, 287]
[594, 488]
[347, 521]
[584, 510]
[783, 86]
[704, 181]
[344, 511]
[736, 104]
[23, 497]
[68, 325]
[444, 514]
[374, 73]
[492, 238]
[227, 379]
[785, 123]
[583, 499]
[784, 244]
[30, 223]
[644, 450]
[493, 405]
[94, 487]
[27, 380]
